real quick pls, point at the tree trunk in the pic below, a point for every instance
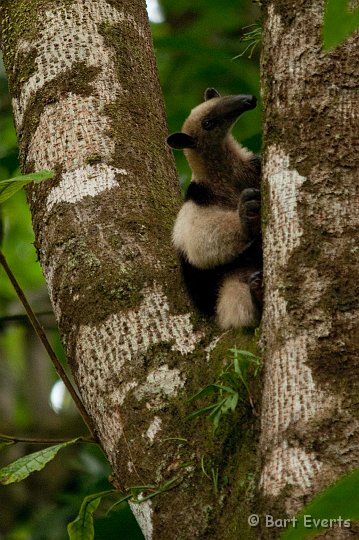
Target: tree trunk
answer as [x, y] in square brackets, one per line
[309, 433]
[87, 103]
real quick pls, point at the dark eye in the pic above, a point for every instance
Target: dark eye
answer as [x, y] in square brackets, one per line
[208, 124]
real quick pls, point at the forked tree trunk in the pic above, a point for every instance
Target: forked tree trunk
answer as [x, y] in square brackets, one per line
[309, 434]
[87, 103]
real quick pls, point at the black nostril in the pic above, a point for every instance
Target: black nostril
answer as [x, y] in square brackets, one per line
[250, 101]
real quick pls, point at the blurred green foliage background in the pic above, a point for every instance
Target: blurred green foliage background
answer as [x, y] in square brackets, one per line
[196, 44]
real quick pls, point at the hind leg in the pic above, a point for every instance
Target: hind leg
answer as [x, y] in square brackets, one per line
[235, 307]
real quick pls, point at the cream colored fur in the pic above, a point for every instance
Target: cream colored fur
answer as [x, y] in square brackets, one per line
[208, 236]
[235, 305]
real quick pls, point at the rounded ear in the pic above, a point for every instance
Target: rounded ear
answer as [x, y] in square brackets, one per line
[211, 93]
[180, 140]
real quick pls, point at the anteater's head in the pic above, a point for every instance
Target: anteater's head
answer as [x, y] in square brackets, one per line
[210, 122]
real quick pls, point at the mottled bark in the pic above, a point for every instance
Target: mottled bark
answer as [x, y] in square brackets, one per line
[87, 103]
[309, 434]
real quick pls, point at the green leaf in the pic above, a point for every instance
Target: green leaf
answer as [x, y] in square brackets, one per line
[340, 500]
[236, 365]
[217, 407]
[229, 403]
[246, 354]
[224, 388]
[204, 410]
[82, 527]
[23, 467]
[211, 389]
[339, 22]
[12, 185]
[206, 391]
[216, 418]
[233, 401]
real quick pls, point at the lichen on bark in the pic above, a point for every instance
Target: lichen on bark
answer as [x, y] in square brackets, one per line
[311, 305]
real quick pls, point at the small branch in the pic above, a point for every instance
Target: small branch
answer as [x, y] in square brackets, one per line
[43, 338]
[22, 318]
[45, 440]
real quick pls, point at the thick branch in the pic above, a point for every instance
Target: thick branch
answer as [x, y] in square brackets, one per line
[311, 304]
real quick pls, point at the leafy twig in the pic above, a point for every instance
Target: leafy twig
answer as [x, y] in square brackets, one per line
[26, 465]
[231, 387]
[253, 38]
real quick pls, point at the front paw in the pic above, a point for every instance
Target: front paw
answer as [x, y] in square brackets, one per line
[249, 209]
